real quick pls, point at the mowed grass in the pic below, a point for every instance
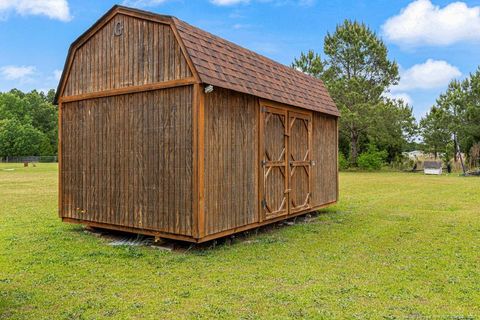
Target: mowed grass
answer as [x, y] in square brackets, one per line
[397, 245]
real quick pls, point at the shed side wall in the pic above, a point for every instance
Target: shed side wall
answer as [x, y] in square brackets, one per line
[231, 160]
[127, 160]
[324, 172]
[145, 52]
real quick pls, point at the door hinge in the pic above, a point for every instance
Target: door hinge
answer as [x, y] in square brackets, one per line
[264, 162]
[264, 204]
[312, 162]
[264, 109]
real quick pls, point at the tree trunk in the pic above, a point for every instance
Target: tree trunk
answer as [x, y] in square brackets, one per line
[353, 148]
[455, 147]
[460, 155]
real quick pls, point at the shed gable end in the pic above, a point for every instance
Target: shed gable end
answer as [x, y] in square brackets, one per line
[125, 51]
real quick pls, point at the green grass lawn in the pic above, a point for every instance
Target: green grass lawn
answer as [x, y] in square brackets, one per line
[397, 245]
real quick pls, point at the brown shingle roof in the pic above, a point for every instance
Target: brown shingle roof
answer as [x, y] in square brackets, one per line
[224, 64]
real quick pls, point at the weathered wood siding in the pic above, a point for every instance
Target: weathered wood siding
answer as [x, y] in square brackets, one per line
[127, 160]
[231, 160]
[325, 155]
[146, 52]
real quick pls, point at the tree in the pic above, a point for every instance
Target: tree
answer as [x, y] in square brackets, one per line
[393, 128]
[452, 103]
[435, 131]
[357, 75]
[309, 63]
[31, 122]
[372, 159]
[457, 114]
[17, 139]
[469, 130]
[357, 72]
[453, 123]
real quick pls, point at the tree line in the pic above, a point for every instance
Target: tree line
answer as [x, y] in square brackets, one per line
[375, 129]
[452, 126]
[358, 73]
[28, 124]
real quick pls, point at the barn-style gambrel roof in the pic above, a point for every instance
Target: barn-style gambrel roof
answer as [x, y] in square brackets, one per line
[225, 64]
[222, 63]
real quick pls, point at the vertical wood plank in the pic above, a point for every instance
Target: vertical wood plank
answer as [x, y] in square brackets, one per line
[60, 163]
[200, 117]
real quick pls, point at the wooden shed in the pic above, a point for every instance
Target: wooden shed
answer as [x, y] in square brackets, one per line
[170, 131]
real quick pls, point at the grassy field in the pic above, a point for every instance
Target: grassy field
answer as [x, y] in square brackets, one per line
[397, 245]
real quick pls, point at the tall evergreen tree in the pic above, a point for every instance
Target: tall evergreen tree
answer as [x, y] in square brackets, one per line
[310, 63]
[435, 132]
[357, 73]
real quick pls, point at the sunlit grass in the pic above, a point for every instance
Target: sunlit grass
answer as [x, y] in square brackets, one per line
[397, 245]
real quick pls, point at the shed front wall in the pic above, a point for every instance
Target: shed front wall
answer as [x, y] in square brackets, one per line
[231, 160]
[139, 52]
[127, 160]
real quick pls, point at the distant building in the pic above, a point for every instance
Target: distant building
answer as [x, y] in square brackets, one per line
[414, 155]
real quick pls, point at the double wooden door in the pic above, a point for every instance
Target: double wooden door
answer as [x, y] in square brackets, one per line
[286, 161]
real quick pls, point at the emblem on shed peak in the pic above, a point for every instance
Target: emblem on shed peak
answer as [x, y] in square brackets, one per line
[118, 29]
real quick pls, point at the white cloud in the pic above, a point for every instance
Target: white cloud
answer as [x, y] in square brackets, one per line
[422, 22]
[228, 2]
[428, 75]
[400, 96]
[54, 9]
[20, 73]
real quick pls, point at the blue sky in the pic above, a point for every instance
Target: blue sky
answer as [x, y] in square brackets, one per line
[432, 40]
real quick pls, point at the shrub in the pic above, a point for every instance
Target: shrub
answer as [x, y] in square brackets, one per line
[401, 162]
[342, 162]
[372, 159]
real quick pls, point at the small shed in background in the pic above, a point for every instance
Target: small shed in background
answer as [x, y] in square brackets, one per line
[168, 130]
[432, 167]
